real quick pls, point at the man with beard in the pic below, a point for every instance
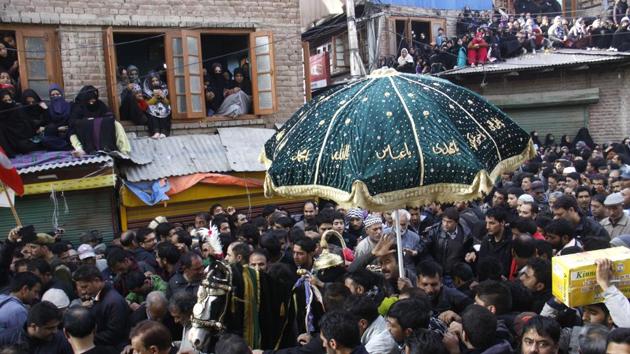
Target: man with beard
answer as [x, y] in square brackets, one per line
[108, 307]
[449, 241]
[310, 212]
[356, 227]
[444, 300]
[189, 276]
[303, 253]
[40, 334]
[384, 252]
[497, 242]
[566, 207]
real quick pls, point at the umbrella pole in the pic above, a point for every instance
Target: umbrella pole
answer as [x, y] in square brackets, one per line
[399, 250]
[15, 214]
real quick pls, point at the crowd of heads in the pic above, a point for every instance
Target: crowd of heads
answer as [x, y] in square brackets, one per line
[476, 274]
[484, 37]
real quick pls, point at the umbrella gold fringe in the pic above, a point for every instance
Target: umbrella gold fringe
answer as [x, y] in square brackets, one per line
[418, 196]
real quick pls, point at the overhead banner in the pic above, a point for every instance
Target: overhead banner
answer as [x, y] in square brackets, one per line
[320, 70]
[443, 4]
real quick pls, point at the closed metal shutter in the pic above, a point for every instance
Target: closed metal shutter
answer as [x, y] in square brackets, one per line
[86, 210]
[559, 120]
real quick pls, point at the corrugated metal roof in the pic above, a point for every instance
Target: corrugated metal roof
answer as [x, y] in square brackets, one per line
[175, 156]
[108, 161]
[542, 60]
[243, 146]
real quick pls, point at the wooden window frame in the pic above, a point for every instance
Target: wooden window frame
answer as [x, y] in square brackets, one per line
[572, 10]
[111, 66]
[53, 52]
[253, 58]
[433, 22]
[333, 55]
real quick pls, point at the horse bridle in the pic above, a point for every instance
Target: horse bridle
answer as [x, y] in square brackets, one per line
[212, 286]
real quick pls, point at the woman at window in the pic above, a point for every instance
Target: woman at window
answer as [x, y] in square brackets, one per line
[133, 106]
[217, 85]
[405, 62]
[93, 127]
[57, 120]
[8, 61]
[16, 130]
[159, 107]
[238, 99]
[34, 108]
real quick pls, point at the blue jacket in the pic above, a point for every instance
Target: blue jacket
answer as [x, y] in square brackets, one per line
[12, 312]
[18, 336]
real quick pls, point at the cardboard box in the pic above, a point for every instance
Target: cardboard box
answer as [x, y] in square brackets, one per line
[573, 276]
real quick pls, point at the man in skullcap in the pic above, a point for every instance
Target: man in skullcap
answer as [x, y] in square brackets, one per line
[617, 223]
[373, 226]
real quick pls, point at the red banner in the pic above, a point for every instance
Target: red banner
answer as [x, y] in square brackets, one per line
[320, 70]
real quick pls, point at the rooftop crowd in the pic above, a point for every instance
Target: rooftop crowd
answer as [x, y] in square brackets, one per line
[494, 36]
[477, 274]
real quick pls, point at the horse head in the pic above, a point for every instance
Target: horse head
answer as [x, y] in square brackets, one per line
[211, 306]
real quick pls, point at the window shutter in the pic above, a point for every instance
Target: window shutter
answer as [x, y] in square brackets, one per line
[185, 74]
[263, 73]
[38, 59]
[109, 51]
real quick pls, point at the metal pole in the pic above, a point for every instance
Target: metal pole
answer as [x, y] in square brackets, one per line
[356, 67]
[399, 250]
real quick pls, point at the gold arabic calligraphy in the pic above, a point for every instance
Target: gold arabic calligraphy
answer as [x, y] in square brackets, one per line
[445, 149]
[301, 155]
[475, 139]
[342, 154]
[495, 124]
[387, 153]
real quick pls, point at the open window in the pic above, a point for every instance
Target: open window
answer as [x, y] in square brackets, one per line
[185, 58]
[32, 57]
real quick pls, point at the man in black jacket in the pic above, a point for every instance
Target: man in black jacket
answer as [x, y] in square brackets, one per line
[498, 242]
[106, 304]
[443, 299]
[40, 334]
[566, 208]
[449, 241]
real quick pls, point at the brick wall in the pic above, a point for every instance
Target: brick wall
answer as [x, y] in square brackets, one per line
[81, 23]
[609, 119]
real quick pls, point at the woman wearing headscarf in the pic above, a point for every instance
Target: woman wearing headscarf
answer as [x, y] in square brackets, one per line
[57, 121]
[16, 130]
[34, 109]
[534, 135]
[238, 99]
[405, 62]
[217, 85]
[159, 107]
[550, 140]
[93, 127]
[133, 106]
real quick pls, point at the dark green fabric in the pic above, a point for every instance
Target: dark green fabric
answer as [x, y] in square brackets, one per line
[368, 119]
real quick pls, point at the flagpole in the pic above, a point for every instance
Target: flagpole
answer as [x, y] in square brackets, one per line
[399, 247]
[15, 214]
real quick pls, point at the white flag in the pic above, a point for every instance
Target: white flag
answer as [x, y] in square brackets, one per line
[4, 202]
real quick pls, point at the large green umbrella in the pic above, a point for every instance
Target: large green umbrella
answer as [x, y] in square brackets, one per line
[391, 140]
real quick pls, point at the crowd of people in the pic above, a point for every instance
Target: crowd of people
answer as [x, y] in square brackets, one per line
[493, 36]
[477, 274]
